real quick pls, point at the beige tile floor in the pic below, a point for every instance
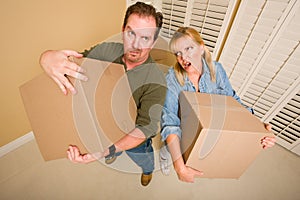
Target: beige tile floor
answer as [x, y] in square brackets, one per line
[274, 175]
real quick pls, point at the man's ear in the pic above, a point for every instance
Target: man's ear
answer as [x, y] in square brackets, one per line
[122, 33]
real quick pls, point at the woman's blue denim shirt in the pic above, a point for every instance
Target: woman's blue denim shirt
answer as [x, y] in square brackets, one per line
[170, 121]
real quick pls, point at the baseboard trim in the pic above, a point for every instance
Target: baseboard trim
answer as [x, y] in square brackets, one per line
[16, 143]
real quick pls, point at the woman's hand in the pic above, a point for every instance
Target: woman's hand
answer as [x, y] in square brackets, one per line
[187, 174]
[57, 64]
[268, 142]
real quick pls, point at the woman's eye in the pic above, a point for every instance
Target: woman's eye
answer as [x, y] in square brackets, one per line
[178, 54]
[189, 48]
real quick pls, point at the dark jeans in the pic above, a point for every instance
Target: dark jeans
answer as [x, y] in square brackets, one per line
[143, 156]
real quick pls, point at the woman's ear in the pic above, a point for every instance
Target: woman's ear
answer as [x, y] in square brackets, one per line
[203, 49]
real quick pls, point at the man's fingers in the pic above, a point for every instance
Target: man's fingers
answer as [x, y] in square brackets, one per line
[76, 152]
[76, 75]
[74, 67]
[60, 85]
[75, 71]
[69, 156]
[71, 153]
[72, 53]
[66, 82]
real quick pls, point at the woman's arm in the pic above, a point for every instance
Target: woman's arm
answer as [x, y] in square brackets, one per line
[184, 173]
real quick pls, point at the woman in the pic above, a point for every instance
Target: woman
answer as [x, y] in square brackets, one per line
[194, 71]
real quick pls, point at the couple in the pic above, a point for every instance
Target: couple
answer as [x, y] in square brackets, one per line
[194, 71]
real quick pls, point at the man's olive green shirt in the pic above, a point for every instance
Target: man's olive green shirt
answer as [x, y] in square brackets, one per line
[147, 83]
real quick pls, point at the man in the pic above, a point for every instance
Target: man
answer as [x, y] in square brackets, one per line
[139, 32]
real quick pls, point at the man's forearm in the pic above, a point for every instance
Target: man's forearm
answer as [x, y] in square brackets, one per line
[131, 140]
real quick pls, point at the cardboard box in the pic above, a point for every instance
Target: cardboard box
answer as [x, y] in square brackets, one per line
[219, 136]
[101, 112]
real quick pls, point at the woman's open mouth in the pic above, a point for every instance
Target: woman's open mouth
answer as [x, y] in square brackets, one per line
[186, 64]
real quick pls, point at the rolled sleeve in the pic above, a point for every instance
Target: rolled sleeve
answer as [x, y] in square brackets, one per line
[170, 121]
[167, 130]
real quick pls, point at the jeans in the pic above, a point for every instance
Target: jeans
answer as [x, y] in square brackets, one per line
[143, 156]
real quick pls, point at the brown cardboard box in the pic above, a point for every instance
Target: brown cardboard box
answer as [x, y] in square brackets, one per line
[101, 112]
[219, 136]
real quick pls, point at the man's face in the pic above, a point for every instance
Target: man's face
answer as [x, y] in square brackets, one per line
[138, 38]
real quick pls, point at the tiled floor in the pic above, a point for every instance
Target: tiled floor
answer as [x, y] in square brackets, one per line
[274, 175]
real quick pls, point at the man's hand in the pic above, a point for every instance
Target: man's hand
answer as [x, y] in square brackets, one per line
[75, 156]
[57, 65]
[268, 142]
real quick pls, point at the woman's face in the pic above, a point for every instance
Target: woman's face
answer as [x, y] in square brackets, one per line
[188, 54]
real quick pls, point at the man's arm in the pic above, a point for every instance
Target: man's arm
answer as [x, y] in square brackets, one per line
[129, 141]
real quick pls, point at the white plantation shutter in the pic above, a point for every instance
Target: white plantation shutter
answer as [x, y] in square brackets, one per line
[262, 59]
[286, 123]
[246, 40]
[174, 12]
[255, 27]
[208, 17]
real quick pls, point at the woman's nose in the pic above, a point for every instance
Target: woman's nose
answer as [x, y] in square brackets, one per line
[184, 55]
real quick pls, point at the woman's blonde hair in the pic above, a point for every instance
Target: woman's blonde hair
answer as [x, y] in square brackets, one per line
[195, 36]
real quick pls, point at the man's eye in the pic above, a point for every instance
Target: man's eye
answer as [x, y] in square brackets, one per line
[146, 38]
[130, 33]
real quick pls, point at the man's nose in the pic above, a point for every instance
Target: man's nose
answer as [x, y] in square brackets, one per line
[136, 43]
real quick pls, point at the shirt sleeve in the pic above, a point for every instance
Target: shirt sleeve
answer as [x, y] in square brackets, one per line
[150, 108]
[226, 88]
[170, 121]
[104, 51]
